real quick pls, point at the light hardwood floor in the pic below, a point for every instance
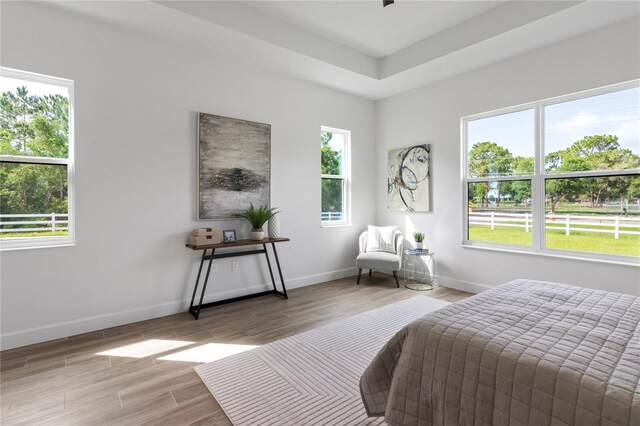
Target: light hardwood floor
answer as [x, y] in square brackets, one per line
[68, 381]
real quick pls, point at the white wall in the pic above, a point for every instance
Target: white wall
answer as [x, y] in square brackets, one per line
[431, 114]
[136, 105]
[136, 102]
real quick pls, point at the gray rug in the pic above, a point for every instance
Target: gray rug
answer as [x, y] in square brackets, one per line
[310, 378]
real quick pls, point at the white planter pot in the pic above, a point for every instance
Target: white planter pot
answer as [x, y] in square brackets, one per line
[419, 245]
[257, 234]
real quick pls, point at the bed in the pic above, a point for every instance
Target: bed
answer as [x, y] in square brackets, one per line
[525, 353]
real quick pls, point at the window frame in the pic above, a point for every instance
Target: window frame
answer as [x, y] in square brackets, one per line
[538, 180]
[345, 177]
[21, 243]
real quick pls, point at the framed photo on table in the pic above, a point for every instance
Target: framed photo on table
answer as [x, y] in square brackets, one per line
[229, 236]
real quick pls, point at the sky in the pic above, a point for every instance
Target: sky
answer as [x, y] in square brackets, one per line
[37, 89]
[337, 144]
[616, 113]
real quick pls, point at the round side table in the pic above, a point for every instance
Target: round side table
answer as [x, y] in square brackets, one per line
[419, 269]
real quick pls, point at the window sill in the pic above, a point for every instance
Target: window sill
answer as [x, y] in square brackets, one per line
[334, 225]
[625, 260]
[35, 243]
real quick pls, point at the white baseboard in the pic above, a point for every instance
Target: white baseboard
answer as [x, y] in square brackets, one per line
[320, 278]
[461, 285]
[456, 284]
[84, 325]
[453, 283]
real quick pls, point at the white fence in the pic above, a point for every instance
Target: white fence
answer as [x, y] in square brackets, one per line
[568, 223]
[328, 216]
[49, 222]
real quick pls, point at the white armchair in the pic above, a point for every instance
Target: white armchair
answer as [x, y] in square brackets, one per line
[380, 260]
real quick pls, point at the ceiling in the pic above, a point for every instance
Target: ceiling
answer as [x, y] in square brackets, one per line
[368, 27]
[359, 46]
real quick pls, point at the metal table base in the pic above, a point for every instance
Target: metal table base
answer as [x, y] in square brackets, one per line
[196, 307]
[419, 286]
[419, 276]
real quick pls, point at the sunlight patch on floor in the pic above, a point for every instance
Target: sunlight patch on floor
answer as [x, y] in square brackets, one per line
[146, 348]
[208, 352]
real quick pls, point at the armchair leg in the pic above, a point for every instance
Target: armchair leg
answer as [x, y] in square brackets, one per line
[370, 271]
[359, 273]
[395, 275]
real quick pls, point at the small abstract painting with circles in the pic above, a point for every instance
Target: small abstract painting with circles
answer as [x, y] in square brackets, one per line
[409, 179]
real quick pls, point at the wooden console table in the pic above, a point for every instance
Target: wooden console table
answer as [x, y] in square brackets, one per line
[195, 309]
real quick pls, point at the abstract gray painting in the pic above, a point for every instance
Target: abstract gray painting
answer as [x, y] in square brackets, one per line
[409, 179]
[234, 162]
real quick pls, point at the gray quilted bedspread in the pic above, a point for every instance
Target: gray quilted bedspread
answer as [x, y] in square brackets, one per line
[525, 353]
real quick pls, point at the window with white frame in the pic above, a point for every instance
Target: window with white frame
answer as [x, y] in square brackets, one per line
[36, 160]
[560, 176]
[335, 179]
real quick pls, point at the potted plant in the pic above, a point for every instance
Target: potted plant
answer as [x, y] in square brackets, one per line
[419, 238]
[257, 217]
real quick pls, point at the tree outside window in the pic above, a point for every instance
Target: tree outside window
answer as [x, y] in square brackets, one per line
[334, 149]
[35, 160]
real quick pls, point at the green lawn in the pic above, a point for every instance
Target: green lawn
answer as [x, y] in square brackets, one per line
[628, 245]
[500, 235]
[33, 234]
[586, 210]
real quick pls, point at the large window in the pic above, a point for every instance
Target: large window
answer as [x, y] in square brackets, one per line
[335, 184]
[560, 176]
[36, 160]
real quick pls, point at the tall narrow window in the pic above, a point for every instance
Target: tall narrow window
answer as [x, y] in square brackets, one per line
[500, 168]
[591, 180]
[36, 160]
[558, 176]
[335, 184]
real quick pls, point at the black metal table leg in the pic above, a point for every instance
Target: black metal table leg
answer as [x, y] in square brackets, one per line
[195, 288]
[273, 281]
[204, 285]
[284, 289]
